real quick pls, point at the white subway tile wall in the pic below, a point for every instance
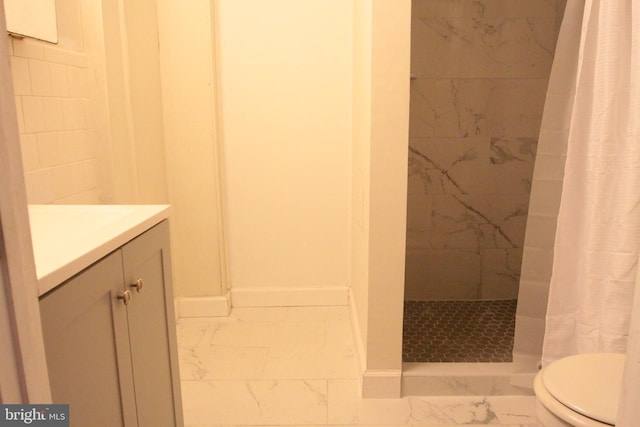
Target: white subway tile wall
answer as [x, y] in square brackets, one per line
[51, 87]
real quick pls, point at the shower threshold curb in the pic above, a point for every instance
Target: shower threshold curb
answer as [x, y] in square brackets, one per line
[463, 379]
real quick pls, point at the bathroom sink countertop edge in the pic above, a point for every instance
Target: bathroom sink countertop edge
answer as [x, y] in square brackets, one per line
[69, 238]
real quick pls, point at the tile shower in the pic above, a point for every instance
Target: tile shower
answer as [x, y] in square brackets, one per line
[479, 75]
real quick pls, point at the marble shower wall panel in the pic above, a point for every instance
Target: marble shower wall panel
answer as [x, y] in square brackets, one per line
[462, 281]
[480, 73]
[462, 108]
[491, 38]
[484, 8]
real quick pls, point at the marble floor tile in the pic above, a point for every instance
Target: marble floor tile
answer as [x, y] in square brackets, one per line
[346, 407]
[222, 363]
[382, 425]
[297, 367]
[274, 403]
[285, 343]
[312, 350]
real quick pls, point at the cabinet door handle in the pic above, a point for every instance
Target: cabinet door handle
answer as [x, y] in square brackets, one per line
[125, 297]
[138, 285]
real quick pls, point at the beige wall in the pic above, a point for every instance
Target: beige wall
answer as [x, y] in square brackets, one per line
[388, 193]
[381, 118]
[144, 98]
[360, 168]
[190, 126]
[286, 108]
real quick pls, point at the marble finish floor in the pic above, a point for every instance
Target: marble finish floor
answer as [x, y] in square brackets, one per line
[297, 366]
[458, 331]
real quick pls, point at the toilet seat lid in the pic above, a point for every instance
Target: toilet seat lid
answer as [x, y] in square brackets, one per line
[587, 383]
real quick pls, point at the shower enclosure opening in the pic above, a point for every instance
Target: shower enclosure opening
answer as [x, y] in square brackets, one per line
[480, 70]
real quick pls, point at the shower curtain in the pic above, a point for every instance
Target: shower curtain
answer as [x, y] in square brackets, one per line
[598, 229]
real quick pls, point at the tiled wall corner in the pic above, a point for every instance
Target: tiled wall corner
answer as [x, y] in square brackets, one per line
[52, 103]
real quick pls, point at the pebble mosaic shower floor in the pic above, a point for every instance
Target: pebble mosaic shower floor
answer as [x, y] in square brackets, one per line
[458, 331]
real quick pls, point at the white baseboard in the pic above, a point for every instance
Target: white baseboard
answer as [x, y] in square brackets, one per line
[289, 297]
[375, 383]
[219, 306]
[382, 384]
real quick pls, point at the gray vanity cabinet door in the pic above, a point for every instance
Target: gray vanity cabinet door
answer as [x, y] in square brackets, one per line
[87, 346]
[152, 329]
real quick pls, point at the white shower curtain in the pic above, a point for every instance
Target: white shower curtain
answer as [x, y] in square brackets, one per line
[598, 231]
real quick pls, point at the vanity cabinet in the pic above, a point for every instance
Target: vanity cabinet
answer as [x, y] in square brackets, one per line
[110, 338]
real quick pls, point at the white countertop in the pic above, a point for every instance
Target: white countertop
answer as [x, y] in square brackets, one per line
[69, 238]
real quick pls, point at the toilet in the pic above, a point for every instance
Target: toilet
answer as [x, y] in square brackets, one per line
[580, 390]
